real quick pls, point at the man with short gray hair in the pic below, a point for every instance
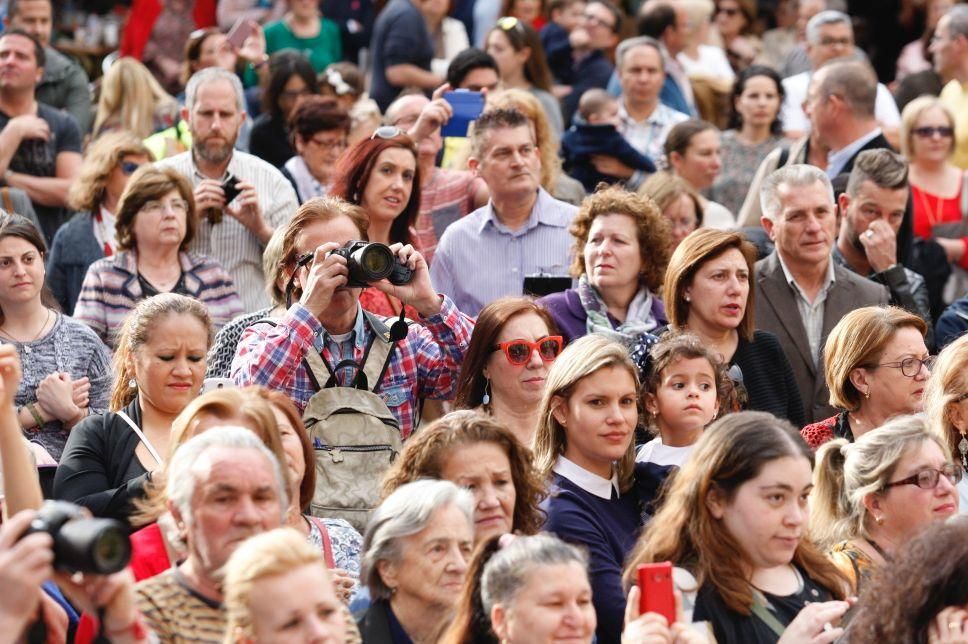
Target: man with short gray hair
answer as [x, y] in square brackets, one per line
[800, 218]
[223, 486]
[830, 35]
[240, 198]
[949, 46]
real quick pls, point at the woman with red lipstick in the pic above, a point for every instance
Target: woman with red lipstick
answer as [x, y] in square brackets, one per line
[693, 152]
[514, 344]
[599, 497]
[381, 176]
[876, 366]
[622, 246]
[708, 293]
[478, 453]
[755, 130]
[159, 367]
[735, 516]
[875, 495]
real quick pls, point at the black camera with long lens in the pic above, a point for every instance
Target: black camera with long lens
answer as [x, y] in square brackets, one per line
[82, 544]
[368, 262]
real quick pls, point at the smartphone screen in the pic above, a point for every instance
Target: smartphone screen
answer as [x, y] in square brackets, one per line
[241, 30]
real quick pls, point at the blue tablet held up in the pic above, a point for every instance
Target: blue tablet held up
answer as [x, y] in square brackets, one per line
[467, 106]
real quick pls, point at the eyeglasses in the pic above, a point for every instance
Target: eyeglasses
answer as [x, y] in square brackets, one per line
[155, 207]
[386, 132]
[910, 367]
[928, 479]
[293, 94]
[596, 21]
[337, 144]
[928, 132]
[729, 11]
[128, 167]
[507, 23]
[519, 352]
[836, 42]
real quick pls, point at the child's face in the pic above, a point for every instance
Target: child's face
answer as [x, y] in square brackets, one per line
[608, 114]
[686, 399]
[568, 17]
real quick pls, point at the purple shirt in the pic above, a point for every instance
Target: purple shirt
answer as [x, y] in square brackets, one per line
[568, 313]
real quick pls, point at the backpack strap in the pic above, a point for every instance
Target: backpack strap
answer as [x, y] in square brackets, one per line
[784, 156]
[760, 610]
[7, 200]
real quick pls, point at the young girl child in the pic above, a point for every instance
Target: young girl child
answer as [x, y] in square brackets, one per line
[684, 386]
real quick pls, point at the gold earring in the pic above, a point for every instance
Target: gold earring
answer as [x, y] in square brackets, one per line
[867, 394]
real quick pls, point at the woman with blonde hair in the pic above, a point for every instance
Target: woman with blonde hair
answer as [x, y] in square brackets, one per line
[95, 195]
[873, 496]
[678, 202]
[556, 182]
[133, 101]
[584, 447]
[876, 366]
[945, 399]
[277, 589]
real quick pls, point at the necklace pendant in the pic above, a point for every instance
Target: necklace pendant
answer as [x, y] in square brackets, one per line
[27, 350]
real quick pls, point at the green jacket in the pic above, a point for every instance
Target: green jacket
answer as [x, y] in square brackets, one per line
[65, 86]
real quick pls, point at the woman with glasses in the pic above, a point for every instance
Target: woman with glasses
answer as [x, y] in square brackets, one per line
[318, 129]
[381, 176]
[517, 49]
[514, 343]
[622, 246]
[946, 405]
[584, 448]
[291, 78]
[708, 292]
[873, 496]
[735, 22]
[156, 220]
[89, 235]
[939, 189]
[876, 366]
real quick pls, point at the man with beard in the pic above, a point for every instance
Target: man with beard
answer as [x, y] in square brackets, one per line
[241, 199]
[872, 211]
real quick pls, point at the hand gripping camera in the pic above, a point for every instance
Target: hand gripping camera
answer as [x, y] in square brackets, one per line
[368, 262]
[82, 544]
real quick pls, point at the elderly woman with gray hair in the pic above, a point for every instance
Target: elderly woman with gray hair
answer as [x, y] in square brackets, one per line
[416, 547]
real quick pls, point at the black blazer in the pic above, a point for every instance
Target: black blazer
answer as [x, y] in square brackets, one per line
[374, 624]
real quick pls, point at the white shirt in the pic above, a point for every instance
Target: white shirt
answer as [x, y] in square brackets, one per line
[655, 452]
[795, 120]
[648, 135]
[811, 312]
[963, 496]
[591, 483]
[712, 62]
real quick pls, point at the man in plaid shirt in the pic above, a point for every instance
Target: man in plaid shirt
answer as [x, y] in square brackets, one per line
[328, 318]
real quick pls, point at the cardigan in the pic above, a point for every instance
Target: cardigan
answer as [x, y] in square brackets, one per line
[111, 289]
[837, 426]
[570, 317]
[99, 468]
[73, 250]
[768, 377]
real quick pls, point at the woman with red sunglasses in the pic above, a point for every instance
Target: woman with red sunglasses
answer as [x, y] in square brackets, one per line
[513, 345]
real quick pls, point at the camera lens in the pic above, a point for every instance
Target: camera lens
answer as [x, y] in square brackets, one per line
[92, 545]
[375, 260]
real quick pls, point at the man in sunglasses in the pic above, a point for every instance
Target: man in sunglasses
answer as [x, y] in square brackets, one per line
[949, 46]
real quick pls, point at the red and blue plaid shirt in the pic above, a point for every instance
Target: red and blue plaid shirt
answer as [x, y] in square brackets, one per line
[424, 365]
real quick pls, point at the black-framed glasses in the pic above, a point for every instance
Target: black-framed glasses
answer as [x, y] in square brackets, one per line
[927, 132]
[911, 367]
[927, 479]
[963, 397]
[729, 11]
[519, 352]
[128, 167]
[386, 132]
[596, 21]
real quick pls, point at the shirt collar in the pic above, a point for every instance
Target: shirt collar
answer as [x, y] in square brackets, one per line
[357, 337]
[838, 159]
[540, 214]
[625, 117]
[591, 483]
[201, 177]
[827, 282]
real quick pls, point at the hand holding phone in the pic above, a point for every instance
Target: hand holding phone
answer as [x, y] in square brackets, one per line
[467, 106]
[655, 585]
[241, 30]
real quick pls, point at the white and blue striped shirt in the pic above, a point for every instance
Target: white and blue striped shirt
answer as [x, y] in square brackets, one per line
[479, 259]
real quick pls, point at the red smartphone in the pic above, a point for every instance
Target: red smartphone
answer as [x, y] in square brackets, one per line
[241, 30]
[655, 586]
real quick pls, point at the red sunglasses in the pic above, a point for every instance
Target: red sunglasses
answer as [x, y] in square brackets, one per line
[518, 352]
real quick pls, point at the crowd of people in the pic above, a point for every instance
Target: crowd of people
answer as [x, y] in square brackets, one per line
[667, 346]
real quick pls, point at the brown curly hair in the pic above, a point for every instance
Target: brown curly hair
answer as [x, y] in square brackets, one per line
[654, 236]
[424, 454]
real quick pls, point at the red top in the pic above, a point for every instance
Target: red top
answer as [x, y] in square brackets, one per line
[142, 17]
[816, 434]
[149, 557]
[930, 209]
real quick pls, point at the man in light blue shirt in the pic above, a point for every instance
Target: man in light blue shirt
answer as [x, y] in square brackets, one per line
[521, 231]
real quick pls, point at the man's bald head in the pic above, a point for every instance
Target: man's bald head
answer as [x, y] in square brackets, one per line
[404, 111]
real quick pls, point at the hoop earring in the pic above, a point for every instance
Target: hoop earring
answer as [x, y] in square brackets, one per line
[486, 398]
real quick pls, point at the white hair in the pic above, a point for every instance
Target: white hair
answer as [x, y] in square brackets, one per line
[798, 175]
[181, 476]
[210, 75]
[822, 19]
[629, 44]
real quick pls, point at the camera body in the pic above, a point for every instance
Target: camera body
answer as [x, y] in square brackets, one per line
[368, 262]
[230, 187]
[82, 544]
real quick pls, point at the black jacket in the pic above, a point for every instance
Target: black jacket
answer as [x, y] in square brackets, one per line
[582, 141]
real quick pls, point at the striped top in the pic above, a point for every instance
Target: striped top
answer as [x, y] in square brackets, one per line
[229, 242]
[479, 259]
[111, 289]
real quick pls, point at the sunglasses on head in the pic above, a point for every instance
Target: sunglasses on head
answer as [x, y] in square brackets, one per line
[928, 132]
[386, 132]
[128, 167]
[519, 352]
[507, 23]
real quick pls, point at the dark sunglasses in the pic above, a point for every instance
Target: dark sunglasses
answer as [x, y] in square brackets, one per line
[519, 352]
[128, 167]
[386, 132]
[729, 11]
[928, 132]
[928, 479]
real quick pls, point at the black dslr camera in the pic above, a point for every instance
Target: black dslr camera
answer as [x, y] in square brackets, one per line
[231, 189]
[82, 544]
[368, 262]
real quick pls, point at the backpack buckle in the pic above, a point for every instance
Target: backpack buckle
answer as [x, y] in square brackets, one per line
[337, 455]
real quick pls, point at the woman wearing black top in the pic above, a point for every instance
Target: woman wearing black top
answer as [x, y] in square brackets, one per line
[708, 292]
[159, 367]
[736, 516]
[291, 77]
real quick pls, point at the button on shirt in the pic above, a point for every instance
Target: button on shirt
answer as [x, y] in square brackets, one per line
[648, 136]
[811, 312]
[479, 259]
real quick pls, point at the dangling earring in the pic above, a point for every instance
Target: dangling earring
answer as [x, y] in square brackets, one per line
[132, 383]
[963, 448]
[867, 394]
[486, 398]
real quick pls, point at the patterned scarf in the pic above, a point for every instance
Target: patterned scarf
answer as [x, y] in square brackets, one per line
[638, 320]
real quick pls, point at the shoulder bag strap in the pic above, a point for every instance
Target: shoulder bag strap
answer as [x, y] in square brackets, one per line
[327, 542]
[768, 618]
[144, 439]
[7, 200]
